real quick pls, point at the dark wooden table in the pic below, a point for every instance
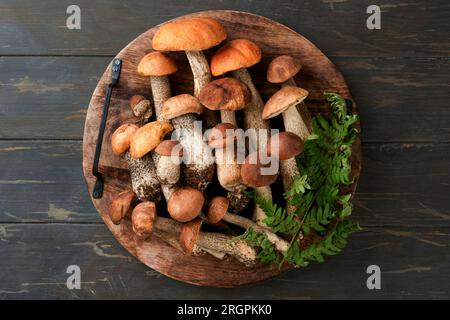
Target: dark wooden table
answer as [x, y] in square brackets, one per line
[399, 76]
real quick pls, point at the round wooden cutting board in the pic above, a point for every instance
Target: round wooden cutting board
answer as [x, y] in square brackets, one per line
[317, 75]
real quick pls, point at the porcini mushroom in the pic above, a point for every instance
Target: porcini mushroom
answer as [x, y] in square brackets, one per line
[148, 137]
[141, 107]
[120, 206]
[284, 101]
[282, 70]
[227, 95]
[185, 204]
[168, 153]
[145, 221]
[199, 169]
[142, 170]
[257, 174]
[218, 210]
[235, 57]
[286, 146]
[222, 138]
[192, 35]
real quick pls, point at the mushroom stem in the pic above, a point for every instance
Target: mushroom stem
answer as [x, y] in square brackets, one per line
[296, 120]
[228, 117]
[200, 169]
[199, 173]
[303, 126]
[202, 75]
[228, 168]
[161, 92]
[213, 241]
[279, 243]
[252, 119]
[289, 170]
[143, 178]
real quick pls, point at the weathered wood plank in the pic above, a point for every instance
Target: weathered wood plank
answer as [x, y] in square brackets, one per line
[47, 97]
[409, 28]
[42, 181]
[401, 184]
[34, 259]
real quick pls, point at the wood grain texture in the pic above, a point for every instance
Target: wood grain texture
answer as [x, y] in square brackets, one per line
[405, 184]
[47, 97]
[398, 75]
[319, 75]
[109, 272]
[409, 27]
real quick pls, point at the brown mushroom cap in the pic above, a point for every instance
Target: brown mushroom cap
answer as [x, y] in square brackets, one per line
[166, 148]
[181, 104]
[282, 68]
[251, 173]
[122, 137]
[221, 135]
[189, 34]
[282, 100]
[141, 107]
[217, 209]
[120, 206]
[285, 145]
[189, 235]
[142, 219]
[225, 94]
[156, 64]
[148, 137]
[237, 54]
[185, 204]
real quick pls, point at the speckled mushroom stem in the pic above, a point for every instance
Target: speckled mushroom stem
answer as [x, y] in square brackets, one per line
[228, 168]
[202, 75]
[297, 120]
[173, 240]
[199, 173]
[213, 241]
[161, 92]
[143, 178]
[252, 119]
[279, 243]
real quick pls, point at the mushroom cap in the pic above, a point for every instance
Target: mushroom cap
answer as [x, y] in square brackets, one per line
[185, 34]
[148, 137]
[136, 99]
[121, 138]
[284, 145]
[185, 204]
[282, 100]
[179, 105]
[156, 64]
[217, 209]
[142, 219]
[167, 147]
[189, 235]
[282, 68]
[141, 107]
[120, 206]
[225, 94]
[236, 54]
[221, 135]
[252, 174]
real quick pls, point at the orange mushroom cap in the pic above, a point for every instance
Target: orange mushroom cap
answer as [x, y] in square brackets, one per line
[185, 34]
[156, 64]
[237, 54]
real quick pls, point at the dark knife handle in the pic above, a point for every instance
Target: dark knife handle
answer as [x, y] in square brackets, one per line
[97, 193]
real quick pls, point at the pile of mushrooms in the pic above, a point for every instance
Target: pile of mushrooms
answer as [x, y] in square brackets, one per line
[172, 162]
